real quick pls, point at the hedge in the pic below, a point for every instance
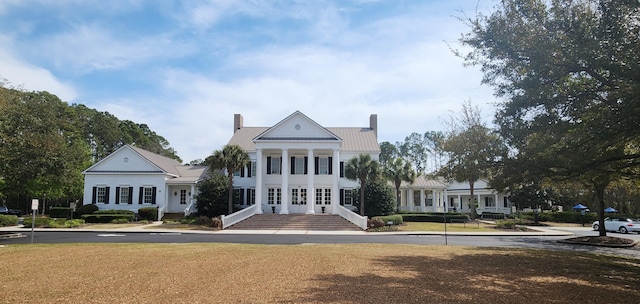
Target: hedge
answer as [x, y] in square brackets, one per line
[106, 218]
[85, 209]
[60, 212]
[114, 211]
[434, 217]
[395, 219]
[562, 217]
[8, 220]
[148, 213]
[45, 222]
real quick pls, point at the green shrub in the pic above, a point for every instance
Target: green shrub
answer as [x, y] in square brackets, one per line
[505, 224]
[148, 213]
[114, 211]
[41, 222]
[395, 219]
[106, 218]
[60, 212]
[63, 223]
[188, 220]
[85, 209]
[119, 221]
[8, 220]
[434, 217]
[561, 217]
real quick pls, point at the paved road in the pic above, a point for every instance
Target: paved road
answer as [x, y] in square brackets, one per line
[537, 242]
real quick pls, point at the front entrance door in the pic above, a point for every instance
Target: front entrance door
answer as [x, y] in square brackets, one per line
[298, 197]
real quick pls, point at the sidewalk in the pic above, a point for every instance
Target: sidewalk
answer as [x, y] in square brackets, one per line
[154, 228]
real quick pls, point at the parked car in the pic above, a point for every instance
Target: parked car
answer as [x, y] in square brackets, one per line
[4, 210]
[620, 224]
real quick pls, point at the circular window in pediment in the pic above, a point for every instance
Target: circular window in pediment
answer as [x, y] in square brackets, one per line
[297, 127]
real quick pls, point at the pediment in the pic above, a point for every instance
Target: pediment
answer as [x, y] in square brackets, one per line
[297, 127]
[125, 159]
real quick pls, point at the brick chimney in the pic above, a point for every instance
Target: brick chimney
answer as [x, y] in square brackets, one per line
[237, 122]
[373, 123]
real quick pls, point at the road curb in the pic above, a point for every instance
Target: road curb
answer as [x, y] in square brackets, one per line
[10, 235]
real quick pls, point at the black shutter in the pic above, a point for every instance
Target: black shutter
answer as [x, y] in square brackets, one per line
[280, 167]
[341, 197]
[130, 200]
[93, 196]
[242, 197]
[268, 164]
[242, 172]
[249, 173]
[317, 163]
[153, 195]
[106, 195]
[306, 164]
[117, 195]
[341, 169]
[330, 165]
[486, 201]
[293, 165]
[140, 197]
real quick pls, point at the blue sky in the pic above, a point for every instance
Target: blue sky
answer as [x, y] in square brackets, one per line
[185, 67]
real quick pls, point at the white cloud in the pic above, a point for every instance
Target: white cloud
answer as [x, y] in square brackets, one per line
[30, 77]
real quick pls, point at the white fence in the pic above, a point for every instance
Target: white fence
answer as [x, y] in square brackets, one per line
[228, 220]
[356, 219]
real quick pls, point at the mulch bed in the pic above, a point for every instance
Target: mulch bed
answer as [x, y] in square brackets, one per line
[607, 241]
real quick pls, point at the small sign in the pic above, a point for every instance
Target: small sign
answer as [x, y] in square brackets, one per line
[34, 204]
[72, 206]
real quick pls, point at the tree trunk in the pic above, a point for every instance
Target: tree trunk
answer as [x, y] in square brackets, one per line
[230, 186]
[599, 191]
[397, 197]
[363, 183]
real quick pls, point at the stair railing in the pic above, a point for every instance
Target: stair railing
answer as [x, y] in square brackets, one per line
[228, 220]
[356, 219]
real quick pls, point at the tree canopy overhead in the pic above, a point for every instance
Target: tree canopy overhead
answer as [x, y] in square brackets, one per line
[569, 76]
[45, 144]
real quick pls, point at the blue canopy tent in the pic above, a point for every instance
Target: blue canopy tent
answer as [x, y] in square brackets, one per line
[610, 210]
[579, 207]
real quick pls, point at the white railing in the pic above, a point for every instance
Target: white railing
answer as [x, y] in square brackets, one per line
[356, 219]
[187, 211]
[161, 211]
[228, 220]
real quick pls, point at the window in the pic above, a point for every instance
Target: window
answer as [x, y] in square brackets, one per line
[303, 196]
[323, 165]
[294, 196]
[100, 195]
[452, 202]
[147, 195]
[274, 196]
[238, 172]
[298, 165]
[505, 202]
[416, 198]
[488, 202]
[183, 197]
[252, 169]
[123, 195]
[346, 197]
[318, 196]
[251, 196]
[238, 196]
[327, 196]
[273, 165]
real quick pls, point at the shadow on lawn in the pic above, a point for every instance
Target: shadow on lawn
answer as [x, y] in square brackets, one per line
[498, 276]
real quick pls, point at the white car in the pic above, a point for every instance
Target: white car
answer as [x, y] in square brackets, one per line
[620, 224]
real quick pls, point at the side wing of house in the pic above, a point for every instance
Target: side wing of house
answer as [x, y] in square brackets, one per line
[125, 180]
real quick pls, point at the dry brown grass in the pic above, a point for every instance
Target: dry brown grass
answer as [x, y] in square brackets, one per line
[236, 273]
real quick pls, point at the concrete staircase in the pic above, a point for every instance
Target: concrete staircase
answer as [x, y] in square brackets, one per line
[269, 221]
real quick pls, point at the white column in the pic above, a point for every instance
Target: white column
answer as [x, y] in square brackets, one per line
[335, 190]
[446, 201]
[459, 203]
[284, 208]
[258, 187]
[311, 191]
[423, 198]
[495, 201]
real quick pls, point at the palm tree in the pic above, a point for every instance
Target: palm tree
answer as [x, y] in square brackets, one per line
[398, 171]
[231, 158]
[361, 168]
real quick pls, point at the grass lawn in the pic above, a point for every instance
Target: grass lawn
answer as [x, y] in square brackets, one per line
[451, 227]
[351, 273]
